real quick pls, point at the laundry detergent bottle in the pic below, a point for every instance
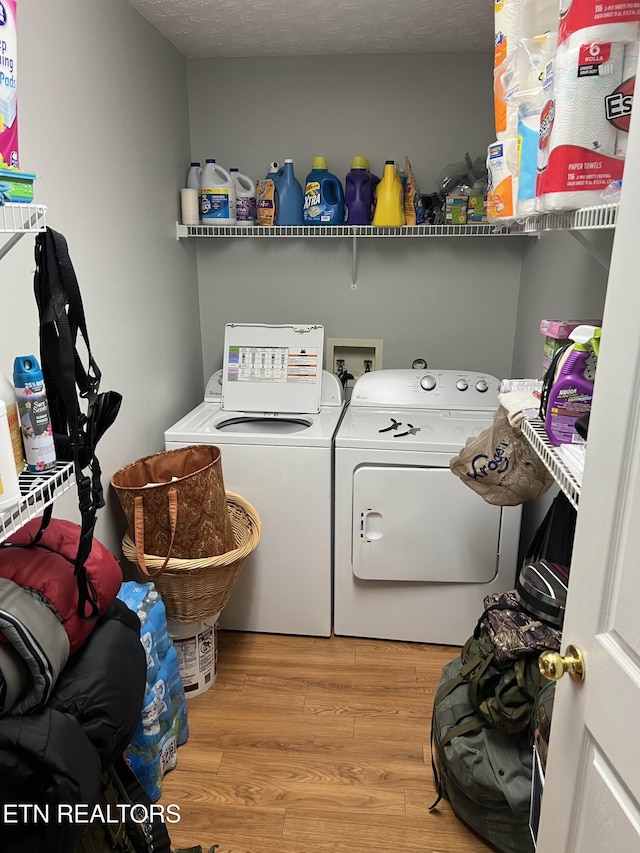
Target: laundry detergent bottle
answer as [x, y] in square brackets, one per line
[358, 193]
[323, 196]
[289, 196]
[389, 199]
[572, 390]
[217, 196]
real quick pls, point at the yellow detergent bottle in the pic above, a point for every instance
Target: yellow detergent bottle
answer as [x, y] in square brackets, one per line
[389, 202]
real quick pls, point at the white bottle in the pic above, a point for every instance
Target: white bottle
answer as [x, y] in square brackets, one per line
[193, 176]
[8, 394]
[245, 197]
[9, 485]
[217, 196]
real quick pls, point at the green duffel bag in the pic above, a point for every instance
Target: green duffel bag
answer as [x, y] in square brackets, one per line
[483, 771]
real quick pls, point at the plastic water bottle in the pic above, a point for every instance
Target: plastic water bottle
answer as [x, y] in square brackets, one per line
[193, 176]
[217, 195]
[153, 606]
[147, 639]
[146, 766]
[245, 198]
[178, 698]
[147, 733]
[9, 484]
[33, 410]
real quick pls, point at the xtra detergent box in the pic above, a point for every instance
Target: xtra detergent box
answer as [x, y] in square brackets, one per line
[8, 84]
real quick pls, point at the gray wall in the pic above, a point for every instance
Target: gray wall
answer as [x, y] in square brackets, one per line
[560, 279]
[104, 123]
[452, 302]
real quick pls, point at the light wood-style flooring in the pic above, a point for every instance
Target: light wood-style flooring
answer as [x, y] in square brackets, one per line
[312, 745]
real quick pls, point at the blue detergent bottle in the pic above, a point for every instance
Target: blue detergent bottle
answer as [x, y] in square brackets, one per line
[289, 195]
[323, 196]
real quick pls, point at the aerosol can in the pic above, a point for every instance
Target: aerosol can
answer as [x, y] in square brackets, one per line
[572, 389]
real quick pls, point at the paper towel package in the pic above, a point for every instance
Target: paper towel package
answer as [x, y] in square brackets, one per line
[8, 84]
[579, 125]
[593, 20]
[502, 168]
[508, 20]
[620, 107]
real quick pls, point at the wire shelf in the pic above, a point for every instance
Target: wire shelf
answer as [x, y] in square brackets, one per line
[38, 491]
[22, 218]
[479, 229]
[536, 435]
[587, 219]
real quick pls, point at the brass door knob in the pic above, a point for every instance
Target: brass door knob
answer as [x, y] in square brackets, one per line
[553, 666]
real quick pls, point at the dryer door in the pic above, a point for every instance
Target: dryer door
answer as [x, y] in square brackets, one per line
[421, 524]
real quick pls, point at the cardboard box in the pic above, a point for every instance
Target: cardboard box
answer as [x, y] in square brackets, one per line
[455, 210]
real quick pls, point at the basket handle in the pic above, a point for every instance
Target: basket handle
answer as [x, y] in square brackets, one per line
[138, 533]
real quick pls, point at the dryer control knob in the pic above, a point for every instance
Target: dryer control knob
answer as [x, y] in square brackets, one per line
[428, 382]
[482, 385]
[462, 384]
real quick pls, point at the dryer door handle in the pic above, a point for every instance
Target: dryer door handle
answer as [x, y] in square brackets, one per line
[371, 524]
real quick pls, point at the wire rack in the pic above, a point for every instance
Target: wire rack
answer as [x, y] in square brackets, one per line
[478, 229]
[587, 219]
[38, 491]
[22, 218]
[536, 435]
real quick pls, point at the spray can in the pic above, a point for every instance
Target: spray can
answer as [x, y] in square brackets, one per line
[8, 395]
[9, 485]
[33, 411]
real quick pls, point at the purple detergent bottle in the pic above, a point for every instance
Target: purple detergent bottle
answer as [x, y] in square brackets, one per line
[358, 192]
[572, 391]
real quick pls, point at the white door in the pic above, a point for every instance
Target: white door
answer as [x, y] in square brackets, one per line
[591, 801]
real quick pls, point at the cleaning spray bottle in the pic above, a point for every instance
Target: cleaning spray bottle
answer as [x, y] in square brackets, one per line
[572, 390]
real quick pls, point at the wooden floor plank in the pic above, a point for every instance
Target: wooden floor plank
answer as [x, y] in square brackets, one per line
[314, 745]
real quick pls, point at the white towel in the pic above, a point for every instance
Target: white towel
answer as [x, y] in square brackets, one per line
[577, 161]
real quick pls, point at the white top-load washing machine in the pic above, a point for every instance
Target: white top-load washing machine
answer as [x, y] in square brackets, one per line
[273, 413]
[416, 550]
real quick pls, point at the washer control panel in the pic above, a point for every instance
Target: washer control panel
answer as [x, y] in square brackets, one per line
[438, 389]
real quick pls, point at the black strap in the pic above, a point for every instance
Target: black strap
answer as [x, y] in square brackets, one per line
[68, 382]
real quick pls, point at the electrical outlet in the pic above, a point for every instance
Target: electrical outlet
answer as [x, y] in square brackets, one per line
[349, 358]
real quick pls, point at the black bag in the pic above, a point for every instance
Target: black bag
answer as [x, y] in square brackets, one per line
[553, 540]
[71, 387]
[122, 794]
[485, 773]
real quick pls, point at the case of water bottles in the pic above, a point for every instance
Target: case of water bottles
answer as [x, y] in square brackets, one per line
[163, 725]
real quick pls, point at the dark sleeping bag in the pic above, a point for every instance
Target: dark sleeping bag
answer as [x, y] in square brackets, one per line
[57, 754]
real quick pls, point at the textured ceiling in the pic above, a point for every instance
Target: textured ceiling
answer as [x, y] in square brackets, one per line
[209, 28]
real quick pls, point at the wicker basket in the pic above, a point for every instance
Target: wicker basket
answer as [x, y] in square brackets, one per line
[196, 589]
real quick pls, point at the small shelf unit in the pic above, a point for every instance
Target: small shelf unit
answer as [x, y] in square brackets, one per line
[536, 435]
[38, 492]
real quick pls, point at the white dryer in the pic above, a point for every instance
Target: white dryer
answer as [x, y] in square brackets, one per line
[273, 413]
[416, 550]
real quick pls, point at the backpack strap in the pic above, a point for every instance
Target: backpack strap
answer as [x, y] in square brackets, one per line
[75, 433]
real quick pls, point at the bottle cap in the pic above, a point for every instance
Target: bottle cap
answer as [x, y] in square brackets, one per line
[210, 160]
[234, 169]
[359, 163]
[194, 163]
[389, 162]
[288, 160]
[319, 163]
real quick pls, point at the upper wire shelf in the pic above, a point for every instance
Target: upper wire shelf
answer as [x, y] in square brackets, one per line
[478, 229]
